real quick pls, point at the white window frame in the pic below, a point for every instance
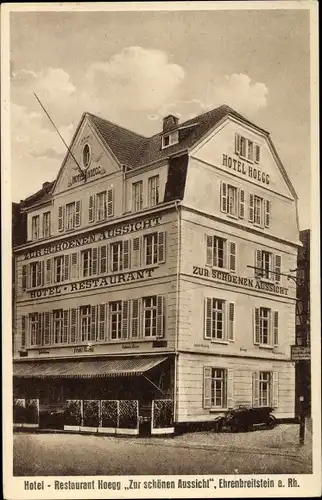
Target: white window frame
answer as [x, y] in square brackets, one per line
[137, 196]
[173, 139]
[38, 281]
[265, 383]
[223, 382]
[35, 227]
[89, 254]
[101, 206]
[153, 190]
[46, 224]
[245, 148]
[116, 265]
[153, 246]
[150, 306]
[70, 216]
[85, 323]
[232, 210]
[33, 328]
[58, 326]
[265, 317]
[258, 210]
[215, 313]
[57, 260]
[115, 319]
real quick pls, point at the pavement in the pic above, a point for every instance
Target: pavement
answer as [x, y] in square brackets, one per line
[260, 451]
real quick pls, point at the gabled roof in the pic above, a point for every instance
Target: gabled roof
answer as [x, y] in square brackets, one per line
[41, 196]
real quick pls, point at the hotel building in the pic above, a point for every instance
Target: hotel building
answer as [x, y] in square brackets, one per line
[153, 268]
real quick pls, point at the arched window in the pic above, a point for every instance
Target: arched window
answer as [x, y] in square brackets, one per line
[86, 155]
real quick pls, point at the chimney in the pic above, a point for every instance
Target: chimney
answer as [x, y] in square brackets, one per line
[170, 122]
[45, 185]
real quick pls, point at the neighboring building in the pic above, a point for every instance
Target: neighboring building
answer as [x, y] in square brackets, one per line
[160, 261]
[303, 333]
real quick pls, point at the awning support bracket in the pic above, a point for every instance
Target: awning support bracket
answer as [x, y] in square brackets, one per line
[164, 394]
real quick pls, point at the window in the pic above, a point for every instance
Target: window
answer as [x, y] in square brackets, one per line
[85, 323]
[221, 253]
[268, 265]
[58, 326]
[35, 227]
[266, 323]
[116, 319]
[232, 200]
[153, 316]
[86, 156]
[34, 329]
[70, 215]
[218, 388]
[264, 388]
[170, 139]
[86, 260]
[219, 319]
[101, 206]
[59, 269]
[116, 256]
[46, 225]
[245, 148]
[153, 191]
[36, 274]
[151, 249]
[137, 196]
[259, 211]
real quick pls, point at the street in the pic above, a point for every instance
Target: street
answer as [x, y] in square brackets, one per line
[273, 451]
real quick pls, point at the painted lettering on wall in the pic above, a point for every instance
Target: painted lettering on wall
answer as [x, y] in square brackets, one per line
[245, 169]
[94, 237]
[88, 284]
[239, 280]
[92, 172]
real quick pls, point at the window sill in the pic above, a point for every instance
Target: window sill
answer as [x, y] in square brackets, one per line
[265, 346]
[213, 341]
[217, 410]
[243, 158]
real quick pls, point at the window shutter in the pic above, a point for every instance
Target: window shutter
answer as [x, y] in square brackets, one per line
[46, 328]
[24, 277]
[66, 267]
[275, 328]
[206, 387]
[110, 202]
[255, 389]
[78, 213]
[102, 322]
[49, 270]
[208, 317]
[125, 319]
[231, 321]
[74, 313]
[251, 208]
[232, 255]
[210, 251]
[223, 197]
[61, 218]
[94, 261]
[230, 388]
[74, 265]
[256, 325]
[93, 323]
[135, 318]
[161, 247]
[237, 144]
[274, 400]
[136, 252]
[126, 254]
[91, 208]
[103, 259]
[160, 316]
[267, 209]
[23, 330]
[241, 203]
[257, 153]
[258, 264]
[65, 325]
[278, 265]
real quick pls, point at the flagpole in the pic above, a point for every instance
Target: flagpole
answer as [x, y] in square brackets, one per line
[67, 147]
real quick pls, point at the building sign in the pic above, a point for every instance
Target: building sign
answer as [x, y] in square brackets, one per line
[88, 284]
[94, 237]
[300, 353]
[86, 348]
[92, 172]
[245, 169]
[239, 280]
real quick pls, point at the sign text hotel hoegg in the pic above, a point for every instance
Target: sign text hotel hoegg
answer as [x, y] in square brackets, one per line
[240, 166]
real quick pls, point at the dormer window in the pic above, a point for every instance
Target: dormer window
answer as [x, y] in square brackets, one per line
[170, 139]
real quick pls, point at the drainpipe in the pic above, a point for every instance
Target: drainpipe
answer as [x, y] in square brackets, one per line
[175, 406]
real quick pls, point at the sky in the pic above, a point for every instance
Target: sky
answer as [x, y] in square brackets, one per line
[133, 68]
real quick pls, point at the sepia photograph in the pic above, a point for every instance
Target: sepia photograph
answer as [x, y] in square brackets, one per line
[160, 186]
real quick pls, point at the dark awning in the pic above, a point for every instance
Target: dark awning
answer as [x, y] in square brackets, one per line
[108, 367]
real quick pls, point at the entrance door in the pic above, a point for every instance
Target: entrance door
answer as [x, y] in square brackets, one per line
[162, 416]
